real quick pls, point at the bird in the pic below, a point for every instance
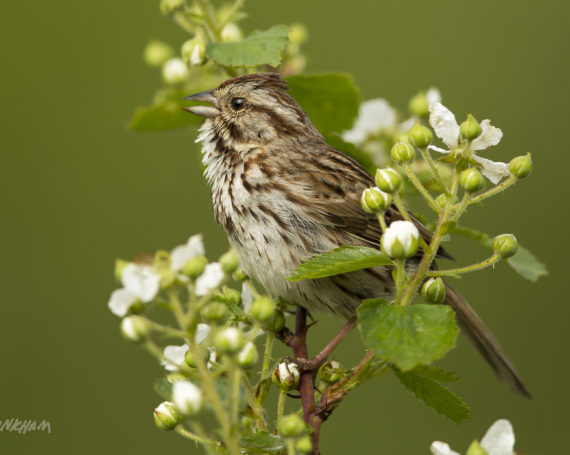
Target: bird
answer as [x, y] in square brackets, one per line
[283, 195]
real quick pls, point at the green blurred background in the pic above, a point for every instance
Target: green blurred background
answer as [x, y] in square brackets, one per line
[79, 189]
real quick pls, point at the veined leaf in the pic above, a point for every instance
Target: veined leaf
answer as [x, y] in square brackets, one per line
[340, 260]
[262, 442]
[433, 394]
[527, 265]
[410, 335]
[259, 48]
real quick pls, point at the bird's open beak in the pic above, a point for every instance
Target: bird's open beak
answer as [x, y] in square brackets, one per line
[204, 111]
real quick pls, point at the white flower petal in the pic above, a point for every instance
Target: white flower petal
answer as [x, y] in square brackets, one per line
[403, 231]
[120, 301]
[433, 96]
[444, 124]
[187, 397]
[180, 255]
[499, 439]
[407, 124]
[495, 171]
[490, 135]
[202, 331]
[246, 297]
[441, 448]
[210, 279]
[141, 280]
[373, 116]
[439, 149]
[173, 356]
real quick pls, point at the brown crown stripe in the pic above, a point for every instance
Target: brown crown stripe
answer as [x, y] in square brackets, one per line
[282, 127]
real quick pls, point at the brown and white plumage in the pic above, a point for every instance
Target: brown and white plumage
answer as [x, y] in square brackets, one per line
[283, 195]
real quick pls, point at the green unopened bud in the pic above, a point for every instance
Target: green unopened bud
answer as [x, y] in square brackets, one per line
[120, 265]
[168, 7]
[286, 376]
[420, 136]
[166, 417]
[419, 104]
[304, 445]
[374, 200]
[277, 323]
[175, 71]
[471, 180]
[229, 261]
[135, 328]
[240, 275]
[215, 312]
[476, 449]
[263, 310]
[441, 200]
[402, 152]
[506, 245]
[400, 240]
[203, 352]
[195, 267]
[433, 290]
[231, 296]
[291, 426]
[388, 180]
[156, 53]
[228, 340]
[231, 32]
[330, 372]
[298, 33]
[187, 397]
[248, 355]
[194, 51]
[521, 166]
[470, 128]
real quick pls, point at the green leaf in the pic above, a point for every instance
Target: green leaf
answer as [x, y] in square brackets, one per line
[527, 265]
[330, 100]
[408, 335]
[259, 48]
[163, 387]
[436, 396]
[351, 150]
[340, 260]
[262, 442]
[437, 374]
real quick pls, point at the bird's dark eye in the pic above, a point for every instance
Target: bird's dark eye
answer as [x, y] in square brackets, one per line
[238, 104]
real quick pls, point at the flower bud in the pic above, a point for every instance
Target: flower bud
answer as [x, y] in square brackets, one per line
[418, 105]
[441, 200]
[156, 53]
[471, 180]
[374, 200]
[135, 328]
[420, 136]
[239, 275]
[470, 128]
[166, 417]
[231, 296]
[521, 166]
[330, 372]
[388, 180]
[506, 245]
[400, 240]
[168, 7]
[228, 340]
[304, 445]
[248, 355]
[291, 426]
[215, 312]
[286, 376]
[194, 51]
[231, 32]
[174, 71]
[187, 397]
[229, 261]
[263, 310]
[195, 267]
[298, 33]
[203, 352]
[476, 449]
[433, 290]
[402, 152]
[277, 323]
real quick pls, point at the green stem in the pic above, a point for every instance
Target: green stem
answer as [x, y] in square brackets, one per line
[400, 277]
[280, 406]
[152, 348]
[398, 202]
[255, 405]
[194, 437]
[183, 22]
[267, 354]
[166, 330]
[460, 208]
[431, 163]
[177, 308]
[421, 188]
[497, 189]
[468, 268]
[382, 221]
[235, 381]
[290, 446]
[210, 445]
[235, 7]
[210, 20]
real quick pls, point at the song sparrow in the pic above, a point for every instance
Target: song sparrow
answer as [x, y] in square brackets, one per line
[282, 195]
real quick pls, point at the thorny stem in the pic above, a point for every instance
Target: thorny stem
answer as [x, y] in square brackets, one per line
[255, 404]
[267, 354]
[435, 171]
[177, 308]
[497, 189]
[421, 188]
[235, 381]
[400, 206]
[400, 277]
[468, 268]
[280, 405]
[461, 207]
[194, 437]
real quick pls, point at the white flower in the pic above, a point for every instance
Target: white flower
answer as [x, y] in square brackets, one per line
[246, 297]
[433, 96]
[401, 239]
[446, 128]
[141, 280]
[499, 439]
[180, 255]
[210, 279]
[202, 331]
[173, 356]
[373, 116]
[175, 71]
[120, 301]
[187, 397]
[441, 448]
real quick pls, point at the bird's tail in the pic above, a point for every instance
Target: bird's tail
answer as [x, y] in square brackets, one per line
[484, 341]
